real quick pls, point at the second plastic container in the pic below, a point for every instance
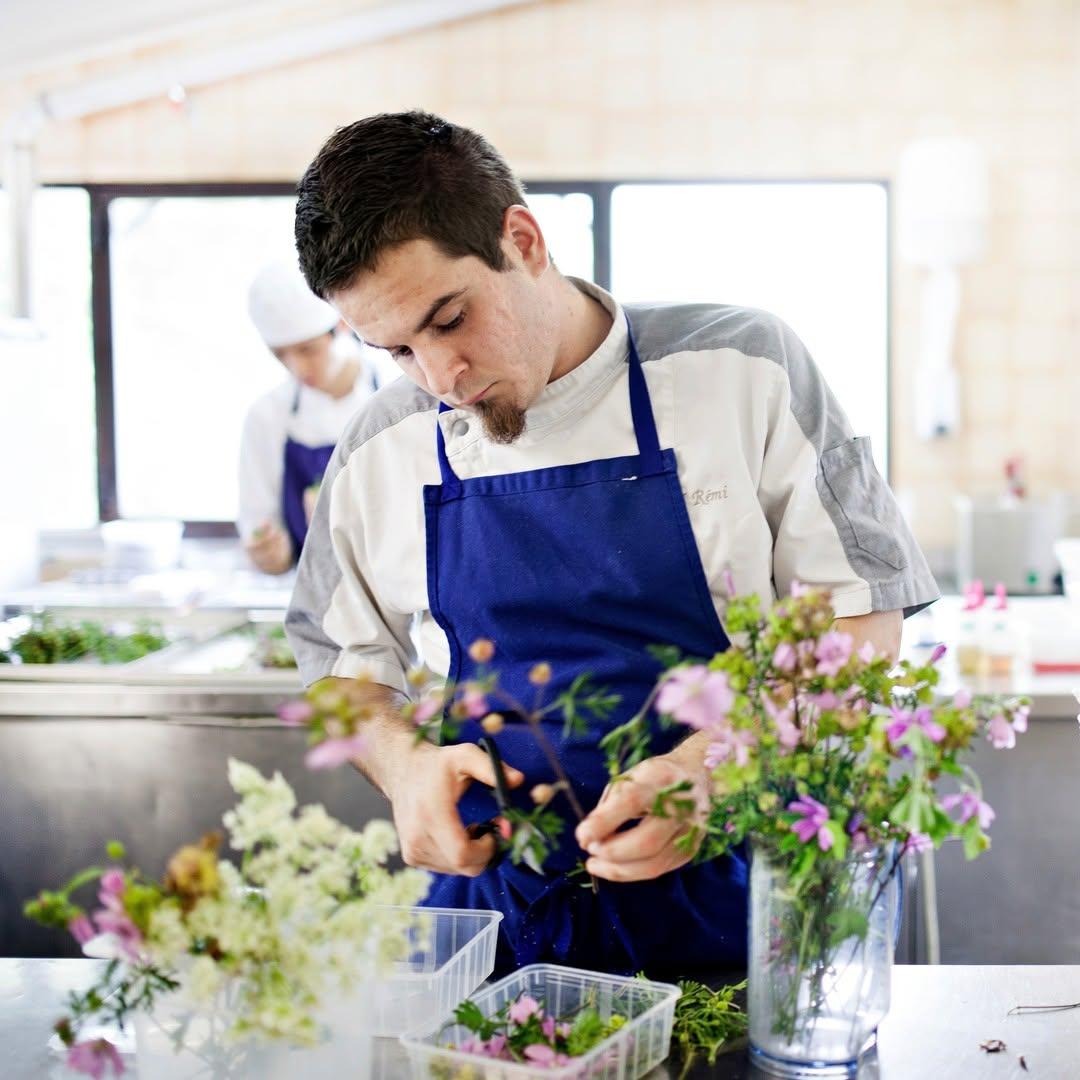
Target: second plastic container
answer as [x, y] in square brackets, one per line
[639, 1046]
[452, 953]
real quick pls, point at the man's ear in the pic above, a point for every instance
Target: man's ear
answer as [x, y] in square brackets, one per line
[524, 240]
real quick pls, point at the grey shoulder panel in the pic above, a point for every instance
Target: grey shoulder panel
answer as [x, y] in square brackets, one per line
[389, 406]
[875, 537]
[663, 329]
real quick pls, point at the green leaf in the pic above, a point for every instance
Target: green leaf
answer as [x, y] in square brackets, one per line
[847, 923]
[468, 1014]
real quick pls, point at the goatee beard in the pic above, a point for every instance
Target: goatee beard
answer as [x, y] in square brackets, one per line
[503, 420]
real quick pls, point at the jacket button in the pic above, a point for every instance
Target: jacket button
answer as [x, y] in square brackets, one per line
[460, 427]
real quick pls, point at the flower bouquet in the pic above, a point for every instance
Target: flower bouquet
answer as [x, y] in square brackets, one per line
[250, 970]
[832, 763]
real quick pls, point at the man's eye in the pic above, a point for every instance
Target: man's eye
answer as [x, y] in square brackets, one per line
[453, 324]
[401, 352]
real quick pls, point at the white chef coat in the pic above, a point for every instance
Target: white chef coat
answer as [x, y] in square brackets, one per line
[318, 420]
[777, 487]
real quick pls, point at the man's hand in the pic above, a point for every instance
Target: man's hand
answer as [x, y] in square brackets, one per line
[270, 548]
[649, 849]
[424, 791]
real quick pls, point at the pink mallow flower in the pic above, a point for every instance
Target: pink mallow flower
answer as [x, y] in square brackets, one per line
[426, 708]
[962, 698]
[833, 652]
[867, 653]
[696, 696]
[523, 1008]
[93, 1057]
[785, 657]
[295, 713]
[544, 1056]
[729, 743]
[1003, 734]
[916, 844]
[815, 818]
[970, 805]
[474, 702]
[787, 731]
[112, 919]
[82, 929]
[334, 752]
[922, 718]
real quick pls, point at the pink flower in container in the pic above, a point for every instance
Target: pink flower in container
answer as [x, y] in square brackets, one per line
[1002, 734]
[696, 696]
[82, 929]
[916, 844]
[970, 806]
[814, 823]
[833, 652]
[523, 1008]
[93, 1056]
[730, 743]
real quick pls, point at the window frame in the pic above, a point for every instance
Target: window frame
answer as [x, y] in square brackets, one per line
[600, 191]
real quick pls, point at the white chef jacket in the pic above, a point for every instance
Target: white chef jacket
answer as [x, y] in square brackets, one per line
[317, 420]
[777, 486]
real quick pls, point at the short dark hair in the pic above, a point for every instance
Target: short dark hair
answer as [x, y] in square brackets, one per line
[395, 177]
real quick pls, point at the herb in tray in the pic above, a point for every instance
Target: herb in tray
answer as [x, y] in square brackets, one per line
[522, 1031]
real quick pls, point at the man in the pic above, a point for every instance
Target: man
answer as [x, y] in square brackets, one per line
[570, 479]
[290, 432]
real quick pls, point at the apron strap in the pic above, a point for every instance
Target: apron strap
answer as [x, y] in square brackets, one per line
[641, 410]
[450, 480]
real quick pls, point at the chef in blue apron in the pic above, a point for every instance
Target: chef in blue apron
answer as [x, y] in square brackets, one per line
[290, 432]
[562, 549]
[516, 487]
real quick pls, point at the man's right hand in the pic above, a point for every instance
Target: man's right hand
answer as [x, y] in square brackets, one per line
[424, 789]
[270, 548]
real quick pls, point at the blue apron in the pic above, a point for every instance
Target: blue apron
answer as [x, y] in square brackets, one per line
[302, 467]
[583, 566]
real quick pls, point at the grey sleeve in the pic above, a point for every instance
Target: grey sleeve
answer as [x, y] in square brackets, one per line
[839, 479]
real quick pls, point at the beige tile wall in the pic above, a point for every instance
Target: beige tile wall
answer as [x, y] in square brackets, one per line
[777, 88]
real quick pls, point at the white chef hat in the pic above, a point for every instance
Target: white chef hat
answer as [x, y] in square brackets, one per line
[284, 310]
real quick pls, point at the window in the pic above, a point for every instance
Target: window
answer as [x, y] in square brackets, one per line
[187, 361]
[182, 362]
[816, 254]
[47, 384]
[567, 221]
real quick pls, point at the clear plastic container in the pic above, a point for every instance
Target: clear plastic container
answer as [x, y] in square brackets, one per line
[639, 1046]
[453, 952]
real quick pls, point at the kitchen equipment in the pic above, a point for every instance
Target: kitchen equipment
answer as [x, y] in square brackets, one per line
[1009, 540]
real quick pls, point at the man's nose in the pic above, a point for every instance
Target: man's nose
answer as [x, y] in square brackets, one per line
[442, 370]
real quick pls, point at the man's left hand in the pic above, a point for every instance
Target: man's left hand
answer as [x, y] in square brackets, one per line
[648, 849]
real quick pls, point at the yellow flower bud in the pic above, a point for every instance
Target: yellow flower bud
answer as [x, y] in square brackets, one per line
[542, 794]
[540, 674]
[193, 871]
[492, 723]
[482, 650]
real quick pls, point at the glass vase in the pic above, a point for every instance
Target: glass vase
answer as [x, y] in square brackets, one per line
[821, 947]
[182, 1041]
